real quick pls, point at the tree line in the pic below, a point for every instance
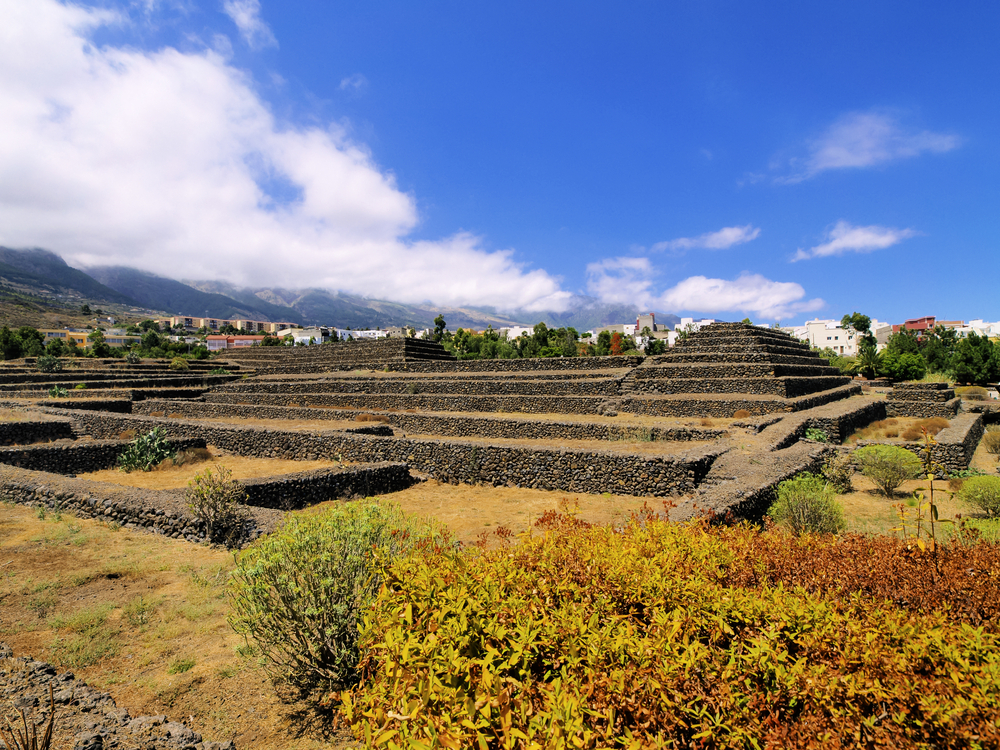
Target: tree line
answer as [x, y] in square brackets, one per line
[908, 355]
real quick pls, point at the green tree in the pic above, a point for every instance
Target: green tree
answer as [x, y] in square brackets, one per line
[10, 344]
[977, 360]
[905, 366]
[32, 341]
[98, 346]
[56, 348]
[903, 342]
[150, 340]
[655, 347]
[857, 322]
[85, 308]
[939, 349]
[440, 328]
[603, 348]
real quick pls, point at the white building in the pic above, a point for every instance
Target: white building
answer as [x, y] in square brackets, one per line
[343, 334]
[692, 326]
[829, 334]
[515, 332]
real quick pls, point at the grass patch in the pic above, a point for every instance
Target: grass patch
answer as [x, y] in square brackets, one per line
[181, 666]
[88, 639]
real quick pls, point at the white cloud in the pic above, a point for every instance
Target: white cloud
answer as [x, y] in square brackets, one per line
[169, 161]
[746, 293]
[353, 82]
[845, 238]
[631, 281]
[621, 280]
[246, 16]
[865, 139]
[720, 240]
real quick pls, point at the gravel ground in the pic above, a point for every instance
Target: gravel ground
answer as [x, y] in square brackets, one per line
[85, 718]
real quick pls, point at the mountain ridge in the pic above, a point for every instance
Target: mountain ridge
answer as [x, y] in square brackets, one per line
[36, 267]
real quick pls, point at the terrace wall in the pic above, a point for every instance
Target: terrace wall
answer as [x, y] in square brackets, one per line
[448, 461]
[956, 444]
[306, 488]
[24, 433]
[78, 457]
[445, 426]
[436, 386]
[159, 511]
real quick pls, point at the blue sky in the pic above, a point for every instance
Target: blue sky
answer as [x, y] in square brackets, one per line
[780, 160]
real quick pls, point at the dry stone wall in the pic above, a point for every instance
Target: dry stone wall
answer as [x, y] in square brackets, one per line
[24, 433]
[445, 426]
[306, 488]
[87, 718]
[420, 402]
[956, 444]
[724, 407]
[162, 512]
[78, 457]
[448, 461]
[435, 386]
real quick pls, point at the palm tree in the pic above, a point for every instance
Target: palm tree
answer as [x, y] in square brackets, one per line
[868, 362]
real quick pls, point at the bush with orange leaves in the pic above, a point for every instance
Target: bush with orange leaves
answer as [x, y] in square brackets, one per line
[664, 635]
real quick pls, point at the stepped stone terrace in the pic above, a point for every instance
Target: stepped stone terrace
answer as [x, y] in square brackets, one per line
[664, 426]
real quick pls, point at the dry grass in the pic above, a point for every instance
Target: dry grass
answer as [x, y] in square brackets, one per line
[867, 511]
[169, 476]
[120, 607]
[899, 428]
[471, 510]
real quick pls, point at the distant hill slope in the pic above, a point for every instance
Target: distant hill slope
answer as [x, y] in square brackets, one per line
[176, 298]
[41, 268]
[42, 272]
[323, 307]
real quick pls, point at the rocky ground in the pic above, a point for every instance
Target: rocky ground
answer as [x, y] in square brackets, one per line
[85, 719]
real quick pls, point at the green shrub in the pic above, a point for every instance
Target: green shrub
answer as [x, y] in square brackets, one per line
[814, 433]
[220, 503]
[888, 466]
[219, 371]
[807, 504]
[48, 363]
[80, 387]
[133, 358]
[983, 493]
[179, 363]
[58, 392]
[299, 594]
[146, 451]
[838, 470]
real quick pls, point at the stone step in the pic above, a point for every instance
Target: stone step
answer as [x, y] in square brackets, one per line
[747, 357]
[734, 369]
